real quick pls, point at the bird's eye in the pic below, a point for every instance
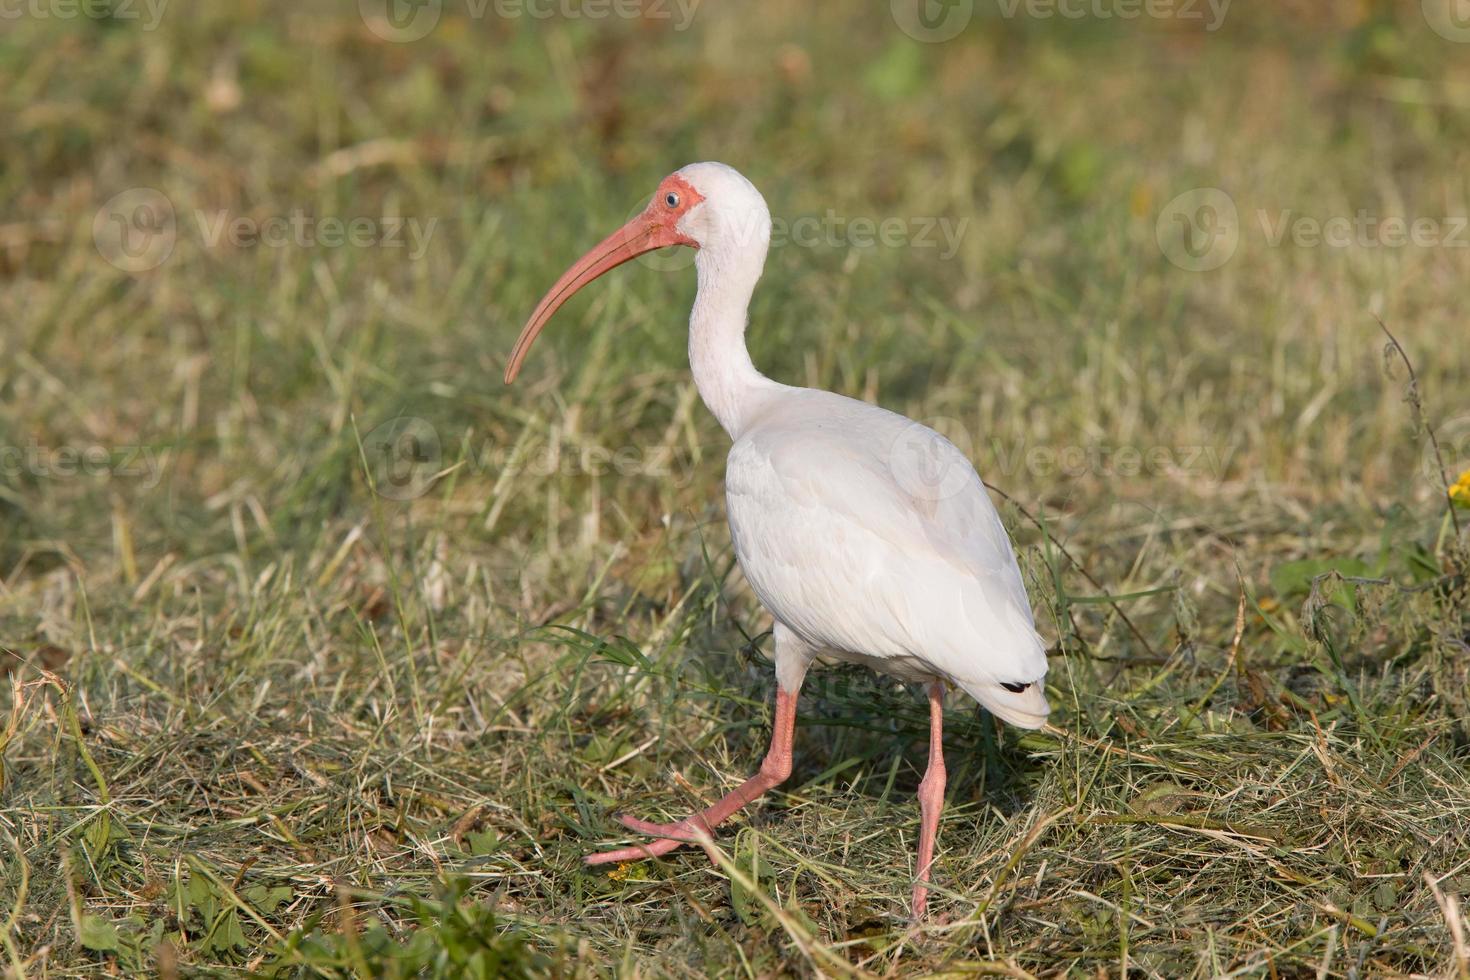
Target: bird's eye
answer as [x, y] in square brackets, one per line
[671, 199]
[1014, 688]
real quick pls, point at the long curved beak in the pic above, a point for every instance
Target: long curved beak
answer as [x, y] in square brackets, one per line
[643, 234]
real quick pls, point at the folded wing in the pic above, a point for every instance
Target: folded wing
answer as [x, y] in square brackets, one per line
[871, 534]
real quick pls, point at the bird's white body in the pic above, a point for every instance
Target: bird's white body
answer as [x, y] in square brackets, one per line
[871, 538]
[867, 536]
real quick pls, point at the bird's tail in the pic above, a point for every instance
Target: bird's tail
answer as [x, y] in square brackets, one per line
[1026, 708]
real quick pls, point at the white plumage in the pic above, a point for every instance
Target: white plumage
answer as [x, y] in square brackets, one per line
[867, 536]
[872, 539]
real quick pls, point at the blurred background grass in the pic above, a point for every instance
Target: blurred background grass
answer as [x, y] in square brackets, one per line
[265, 716]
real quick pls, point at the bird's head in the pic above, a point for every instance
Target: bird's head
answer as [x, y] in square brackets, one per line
[706, 206]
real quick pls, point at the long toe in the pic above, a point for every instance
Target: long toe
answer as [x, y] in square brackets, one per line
[675, 831]
[638, 852]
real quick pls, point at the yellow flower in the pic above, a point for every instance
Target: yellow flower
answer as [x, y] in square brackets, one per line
[621, 871]
[1460, 491]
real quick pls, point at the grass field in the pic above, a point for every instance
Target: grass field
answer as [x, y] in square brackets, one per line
[326, 654]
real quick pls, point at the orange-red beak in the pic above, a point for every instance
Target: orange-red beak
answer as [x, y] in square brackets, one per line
[654, 228]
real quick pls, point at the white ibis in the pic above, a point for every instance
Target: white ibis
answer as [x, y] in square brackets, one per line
[867, 536]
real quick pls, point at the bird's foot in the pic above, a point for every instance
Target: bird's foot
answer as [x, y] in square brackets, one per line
[682, 830]
[922, 917]
[669, 836]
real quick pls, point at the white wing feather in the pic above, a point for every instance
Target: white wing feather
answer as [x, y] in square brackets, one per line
[872, 537]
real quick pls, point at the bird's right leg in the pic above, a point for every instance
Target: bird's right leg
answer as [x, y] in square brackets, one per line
[931, 797]
[793, 657]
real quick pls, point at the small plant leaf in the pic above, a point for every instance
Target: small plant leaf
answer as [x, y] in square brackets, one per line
[97, 933]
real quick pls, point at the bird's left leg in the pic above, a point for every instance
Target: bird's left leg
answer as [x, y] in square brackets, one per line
[931, 797]
[792, 659]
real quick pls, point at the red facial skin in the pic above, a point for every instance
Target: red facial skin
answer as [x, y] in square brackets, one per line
[655, 227]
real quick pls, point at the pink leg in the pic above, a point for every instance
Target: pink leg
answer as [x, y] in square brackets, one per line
[931, 797]
[773, 771]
